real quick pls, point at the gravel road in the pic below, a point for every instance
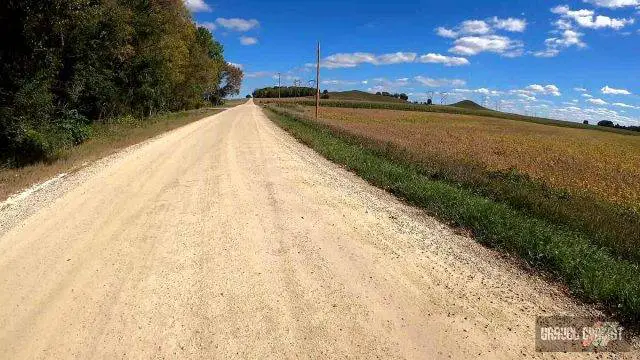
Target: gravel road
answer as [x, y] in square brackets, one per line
[228, 239]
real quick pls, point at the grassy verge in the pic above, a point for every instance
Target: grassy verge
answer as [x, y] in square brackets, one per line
[590, 271]
[105, 139]
[447, 110]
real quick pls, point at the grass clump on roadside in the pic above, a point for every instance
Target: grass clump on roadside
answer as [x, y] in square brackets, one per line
[102, 139]
[590, 271]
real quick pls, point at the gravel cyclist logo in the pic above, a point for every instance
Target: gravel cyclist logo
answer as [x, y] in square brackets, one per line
[579, 334]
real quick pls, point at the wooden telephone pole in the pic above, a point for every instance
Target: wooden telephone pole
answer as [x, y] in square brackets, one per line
[318, 80]
[278, 85]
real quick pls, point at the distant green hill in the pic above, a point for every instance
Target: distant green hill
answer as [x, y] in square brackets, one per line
[468, 104]
[357, 95]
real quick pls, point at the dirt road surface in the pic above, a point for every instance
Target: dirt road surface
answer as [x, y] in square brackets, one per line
[228, 239]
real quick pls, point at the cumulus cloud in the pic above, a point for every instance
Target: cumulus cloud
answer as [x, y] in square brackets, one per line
[473, 45]
[248, 40]
[474, 27]
[439, 82]
[566, 34]
[237, 24]
[510, 24]
[350, 60]
[579, 89]
[442, 59]
[482, 27]
[555, 45]
[597, 101]
[613, 4]
[611, 91]
[446, 33]
[197, 6]
[530, 92]
[589, 19]
[544, 90]
[475, 36]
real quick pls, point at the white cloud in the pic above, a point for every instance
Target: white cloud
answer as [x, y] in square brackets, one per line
[613, 4]
[527, 97]
[396, 58]
[442, 59]
[388, 84]
[554, 45]
[473, 45]
[248, 40]
[439, 82]
[611, 91]
[446, 33]
[239, 66]
[350, 60]
[197, 6]
[597, 101]
[589, 19]
[474, 27]
[543, 90]
[237, 24]
[482, 27]
[588, 96]
[510, 24]
[482, 91]
[208, 25]
[623, 105]
[579, 89]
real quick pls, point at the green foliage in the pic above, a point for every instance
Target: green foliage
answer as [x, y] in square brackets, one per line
[284, 92]
[607, 123]
[588, 269]
[69, 63]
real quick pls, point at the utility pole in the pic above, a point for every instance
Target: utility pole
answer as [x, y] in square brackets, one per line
[318, 80]
[278, 85]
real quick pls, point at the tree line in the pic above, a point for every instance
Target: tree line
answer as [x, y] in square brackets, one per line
[284, 91]
[65, 64]
[401, 96]
[609, 123]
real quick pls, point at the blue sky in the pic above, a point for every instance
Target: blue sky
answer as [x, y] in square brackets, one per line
[575, 60]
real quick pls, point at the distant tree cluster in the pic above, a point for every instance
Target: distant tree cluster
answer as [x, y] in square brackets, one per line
[609, 123]
[401, 96]
[284, 91]
[67, 63]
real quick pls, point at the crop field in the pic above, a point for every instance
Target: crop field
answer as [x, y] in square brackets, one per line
[602, 163]
[464, 109]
